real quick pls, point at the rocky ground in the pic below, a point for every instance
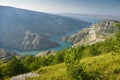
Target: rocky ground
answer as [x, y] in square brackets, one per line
[24, 76]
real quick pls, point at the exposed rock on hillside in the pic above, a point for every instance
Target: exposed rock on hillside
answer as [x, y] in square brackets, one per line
[24, 76]
[95, 33]
[6, 54]
[34, 41]
[46, 53]
[29, 41]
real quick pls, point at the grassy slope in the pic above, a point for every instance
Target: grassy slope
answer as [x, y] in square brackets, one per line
[108, 65]
[54, 72]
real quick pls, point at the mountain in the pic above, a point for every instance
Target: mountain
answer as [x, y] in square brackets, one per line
[34, 41]
[95, 33]
[16, 23]
[92, 17]
[6, 54]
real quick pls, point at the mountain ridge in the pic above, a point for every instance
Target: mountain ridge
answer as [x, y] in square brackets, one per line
[95, 33]
[14, 24]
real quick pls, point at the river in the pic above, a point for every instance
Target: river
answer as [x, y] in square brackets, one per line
[63, 44]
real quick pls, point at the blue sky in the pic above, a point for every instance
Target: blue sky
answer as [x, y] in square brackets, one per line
[105, 7]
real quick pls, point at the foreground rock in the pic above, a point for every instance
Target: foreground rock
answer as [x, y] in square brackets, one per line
[24, 76]
[95, 33]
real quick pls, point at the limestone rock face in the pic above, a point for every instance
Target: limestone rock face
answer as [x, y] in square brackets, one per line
[95, 33]
[34, 41]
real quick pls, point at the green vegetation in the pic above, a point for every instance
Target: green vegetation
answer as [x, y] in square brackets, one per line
[54, 72]
[100, 61]
[20, 65]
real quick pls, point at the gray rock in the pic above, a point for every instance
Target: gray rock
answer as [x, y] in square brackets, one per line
[24, 76]
[95, 33]
[46, 53]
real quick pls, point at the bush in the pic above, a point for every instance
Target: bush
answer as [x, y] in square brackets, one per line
[14, 67]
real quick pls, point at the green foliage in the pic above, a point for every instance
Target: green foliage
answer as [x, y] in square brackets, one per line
[117, 39]
[53, 72]
[74, 70]
[99, 61]
[28, 60]
[33, 63]
[59, 57]
[1, 76]
[77, 70]
[14, 67]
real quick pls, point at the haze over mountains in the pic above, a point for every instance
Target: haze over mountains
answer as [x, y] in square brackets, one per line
[92, 17]
[28, 30]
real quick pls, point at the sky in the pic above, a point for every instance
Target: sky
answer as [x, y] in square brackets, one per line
[103, 7]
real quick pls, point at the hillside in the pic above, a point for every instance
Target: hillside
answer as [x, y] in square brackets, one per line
[99, 61]
[95, 33]
[105, 66]
[6, 54]
[15, 23]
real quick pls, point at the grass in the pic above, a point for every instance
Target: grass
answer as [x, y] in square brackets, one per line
[54, 72]
[108, 65]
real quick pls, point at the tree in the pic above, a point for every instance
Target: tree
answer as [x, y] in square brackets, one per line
[14, 67]
[74, 69]
[117, 39]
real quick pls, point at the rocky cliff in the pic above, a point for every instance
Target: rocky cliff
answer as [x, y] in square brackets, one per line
[34, 41]
[95, 33]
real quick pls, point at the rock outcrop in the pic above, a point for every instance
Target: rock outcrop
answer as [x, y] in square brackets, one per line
[46, 53]
[25, 76]
[34, 41]
[95, 33]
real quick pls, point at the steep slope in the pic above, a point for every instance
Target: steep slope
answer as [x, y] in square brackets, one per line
[14, 23]
[34, 41]
[6, 54]
[95, 33]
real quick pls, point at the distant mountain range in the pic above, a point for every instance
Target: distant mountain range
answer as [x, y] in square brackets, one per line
[28, 30]
[92, 17]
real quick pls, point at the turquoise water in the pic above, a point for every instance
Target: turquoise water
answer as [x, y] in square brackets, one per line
[91, 20]
[63, 45]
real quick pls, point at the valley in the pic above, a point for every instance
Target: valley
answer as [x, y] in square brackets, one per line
[59, 40]
[35, 29]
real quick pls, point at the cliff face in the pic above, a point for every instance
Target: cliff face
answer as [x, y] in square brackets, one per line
[34, 41]
[29, 41]
[95, 33]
